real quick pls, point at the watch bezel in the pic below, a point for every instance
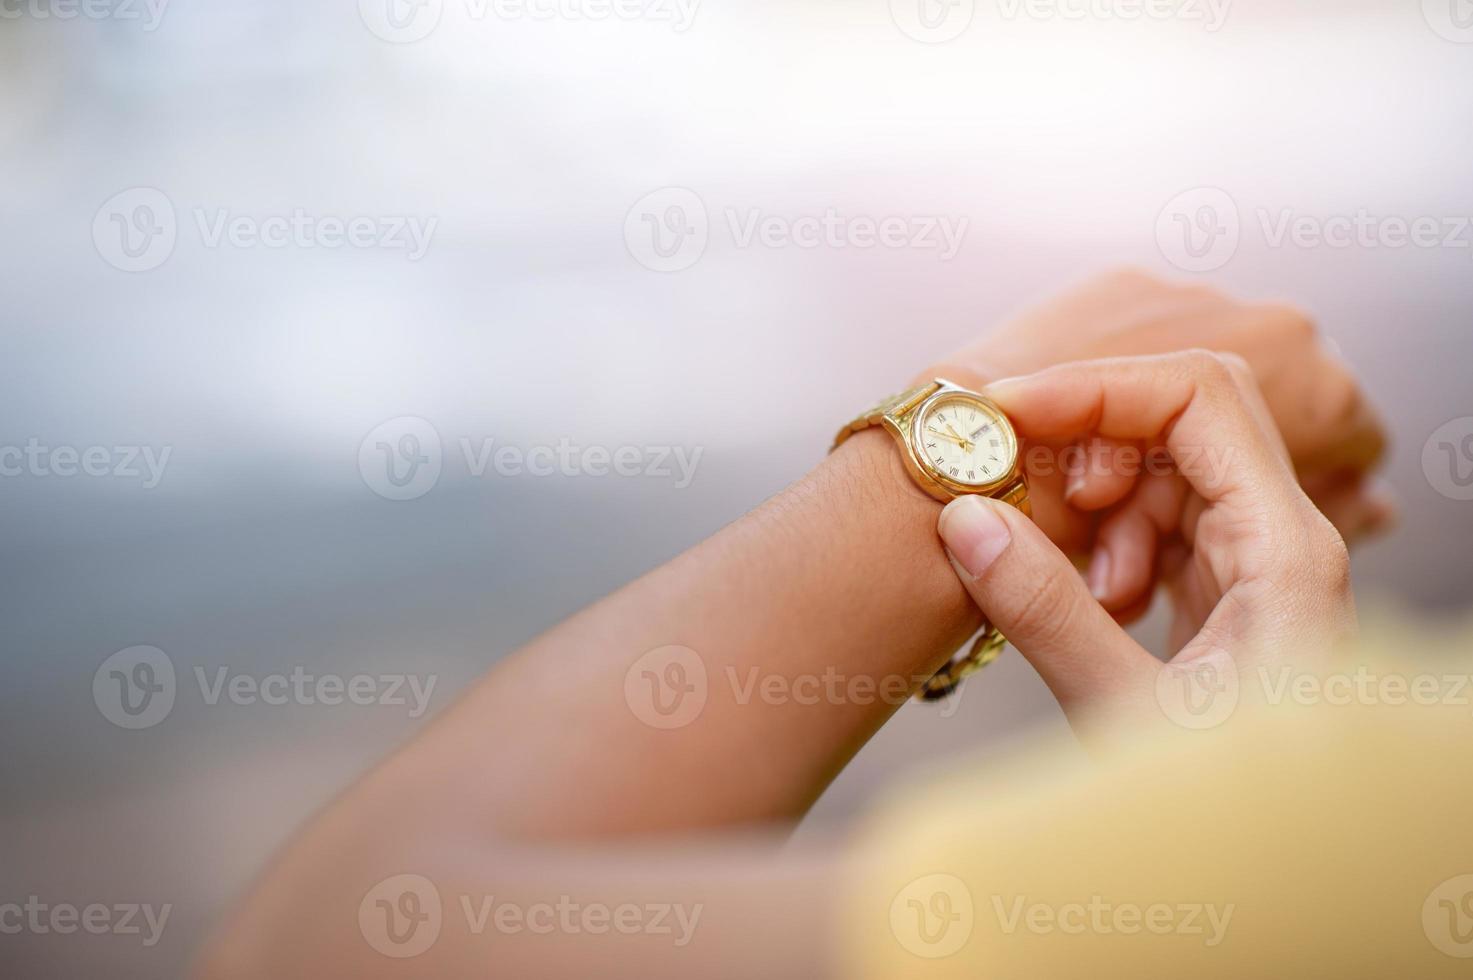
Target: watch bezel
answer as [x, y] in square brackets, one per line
[949, 391]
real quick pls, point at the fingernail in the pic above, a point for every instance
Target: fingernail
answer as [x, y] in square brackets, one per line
[974, 533]
[1099, 574]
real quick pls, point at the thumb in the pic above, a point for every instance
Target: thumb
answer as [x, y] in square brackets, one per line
[1030, 591]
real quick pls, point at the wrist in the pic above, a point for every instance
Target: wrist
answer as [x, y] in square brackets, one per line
[888, 528]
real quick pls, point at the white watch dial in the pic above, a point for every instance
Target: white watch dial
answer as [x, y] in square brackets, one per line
[966, 440]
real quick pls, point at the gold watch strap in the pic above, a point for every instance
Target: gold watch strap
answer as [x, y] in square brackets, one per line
[990, 642]
[896, 404]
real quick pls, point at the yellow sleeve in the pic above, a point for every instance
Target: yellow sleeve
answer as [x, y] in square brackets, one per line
[1305, 839]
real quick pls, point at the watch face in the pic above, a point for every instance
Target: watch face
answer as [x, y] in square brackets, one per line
[965, 440]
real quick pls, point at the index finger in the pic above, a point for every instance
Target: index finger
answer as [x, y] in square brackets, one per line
[1190, 401]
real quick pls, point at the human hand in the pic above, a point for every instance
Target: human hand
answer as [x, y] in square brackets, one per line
[1332, 432]
[1255, 571]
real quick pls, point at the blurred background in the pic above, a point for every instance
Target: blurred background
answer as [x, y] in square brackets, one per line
[278, 274]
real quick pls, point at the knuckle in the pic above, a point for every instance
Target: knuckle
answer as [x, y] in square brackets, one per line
[1138, 279]
[1207, 368]
[1287, 323]
[1335, 572]
[1243, 376]
[1132, 277]
[1324, 557]
[1338, 398]
[1236, 364]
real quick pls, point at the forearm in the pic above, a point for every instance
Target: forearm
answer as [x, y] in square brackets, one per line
[551, 745]
[647, 912]
[813, 619]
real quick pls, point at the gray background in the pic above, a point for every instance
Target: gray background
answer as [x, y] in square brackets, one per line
[529, 321]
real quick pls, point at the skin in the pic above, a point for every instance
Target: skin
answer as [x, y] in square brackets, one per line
[1260, 575]
[520, 787]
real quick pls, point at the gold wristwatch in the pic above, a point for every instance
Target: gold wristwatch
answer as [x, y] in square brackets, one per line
[954, 442]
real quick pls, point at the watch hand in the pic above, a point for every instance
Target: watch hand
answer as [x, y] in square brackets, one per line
[951, 438]
[960, 439]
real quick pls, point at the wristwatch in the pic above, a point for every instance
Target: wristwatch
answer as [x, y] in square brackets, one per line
[954, 441]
